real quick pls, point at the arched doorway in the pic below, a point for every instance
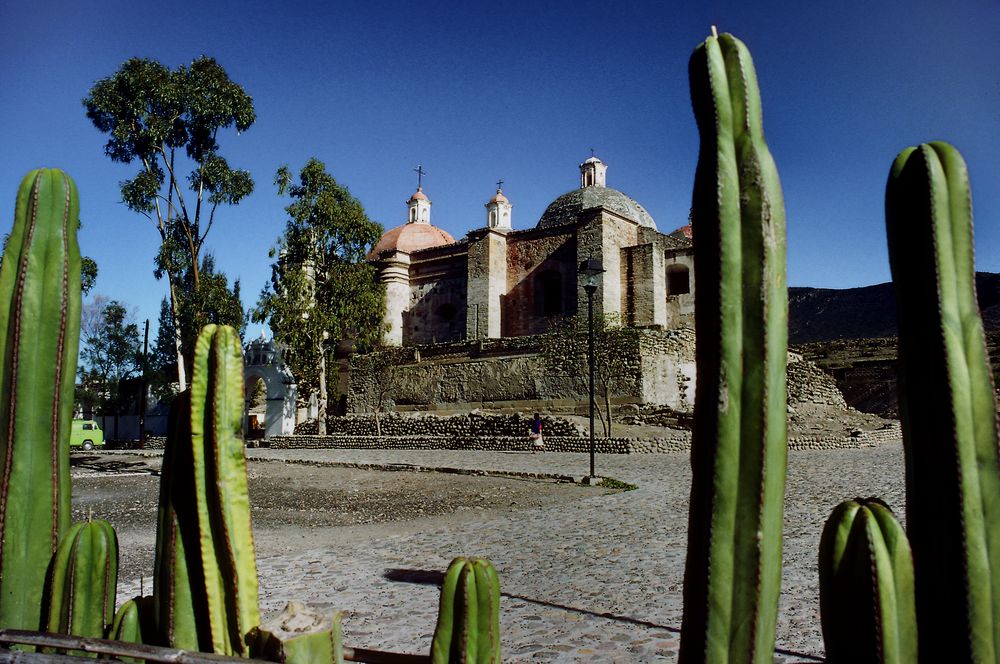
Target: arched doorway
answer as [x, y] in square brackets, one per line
[263, 368]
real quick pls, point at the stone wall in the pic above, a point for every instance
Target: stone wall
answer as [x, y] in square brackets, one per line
[486, 373]
[677, 441]
[437, 310]
[467, 425]
[531, 262]
[808, 384]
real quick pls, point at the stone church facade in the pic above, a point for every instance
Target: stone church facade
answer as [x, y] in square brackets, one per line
[499, 281]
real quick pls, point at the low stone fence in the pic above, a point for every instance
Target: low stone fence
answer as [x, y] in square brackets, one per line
[677, 442]
[461, 426]
[481, 443]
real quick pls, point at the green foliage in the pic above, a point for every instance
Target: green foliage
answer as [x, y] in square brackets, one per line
[210, 302]
[739, 445]
[612, 483]
[322, 290]
[947, 407]
[866, 586]
[468, 626]
[83, 581]
[39, 339]
[205, 580]
[163, 357]
[110, 356]
[88, 274]
[159, 118]
[616, 346]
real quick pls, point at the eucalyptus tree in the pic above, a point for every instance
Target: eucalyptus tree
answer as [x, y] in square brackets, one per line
[323, 292]
[168, 123]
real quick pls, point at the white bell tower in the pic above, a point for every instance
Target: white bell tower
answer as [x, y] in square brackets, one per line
[498, 210]
[593, 172]
[419, 206]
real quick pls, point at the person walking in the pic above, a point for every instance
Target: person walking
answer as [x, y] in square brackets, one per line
[535, 435]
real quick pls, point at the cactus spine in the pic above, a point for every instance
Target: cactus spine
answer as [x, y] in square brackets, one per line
[206, 574]
[866, 586]
[947, 407]
[468, 626]
[83, 580]
[39, 339]
[733, 571]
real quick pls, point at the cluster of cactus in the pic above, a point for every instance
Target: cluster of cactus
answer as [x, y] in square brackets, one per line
[468, 626]
[39, 339]
[733, 572]
[875, 594]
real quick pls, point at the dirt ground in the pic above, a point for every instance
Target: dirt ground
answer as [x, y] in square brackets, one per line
[295, 506]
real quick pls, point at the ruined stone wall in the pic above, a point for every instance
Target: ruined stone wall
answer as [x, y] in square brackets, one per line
[680, 306]
[808, 384]
[643, 268]
[464, 425]
[511, 370]
[615, 234]
[668, 369]
[437, 307]
[676, 441]
[532, 262]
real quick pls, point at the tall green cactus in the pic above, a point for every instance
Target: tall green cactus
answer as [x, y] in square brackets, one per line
[866, 586]
[39, 339]
[947, 407]
[733, 572]
[205, 570]
[468, 627]
[83, 580]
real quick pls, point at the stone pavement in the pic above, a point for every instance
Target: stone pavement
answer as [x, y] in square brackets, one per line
[593, 580]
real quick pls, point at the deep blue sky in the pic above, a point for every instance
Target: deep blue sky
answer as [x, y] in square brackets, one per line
[519, 91]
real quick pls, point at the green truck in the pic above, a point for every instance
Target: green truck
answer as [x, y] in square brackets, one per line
[86, 434]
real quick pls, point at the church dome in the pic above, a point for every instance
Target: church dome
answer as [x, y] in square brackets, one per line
[566, 208]
[409, 238]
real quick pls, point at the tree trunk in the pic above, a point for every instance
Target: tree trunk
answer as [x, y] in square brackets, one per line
[607, 407]
[174, 311]
[600, 415]
[378, 424]
[321, 402]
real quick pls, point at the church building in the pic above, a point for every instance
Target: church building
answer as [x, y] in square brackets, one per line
[502, 281]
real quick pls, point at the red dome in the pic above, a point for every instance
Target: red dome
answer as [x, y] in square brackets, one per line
[409, 238]
[684, 232]
[418, 195]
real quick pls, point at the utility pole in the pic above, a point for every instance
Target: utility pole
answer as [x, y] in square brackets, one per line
[145, 387]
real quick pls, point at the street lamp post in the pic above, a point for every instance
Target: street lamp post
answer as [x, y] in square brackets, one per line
[591, 269]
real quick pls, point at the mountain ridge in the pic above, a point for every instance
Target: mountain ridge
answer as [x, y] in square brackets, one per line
[825, 314]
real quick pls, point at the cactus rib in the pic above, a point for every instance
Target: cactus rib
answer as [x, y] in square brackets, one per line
[83, 580]
[39, 339]
[206, 572]
[739, 447]
[952, 464]
[468, 626]
[866, 586]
